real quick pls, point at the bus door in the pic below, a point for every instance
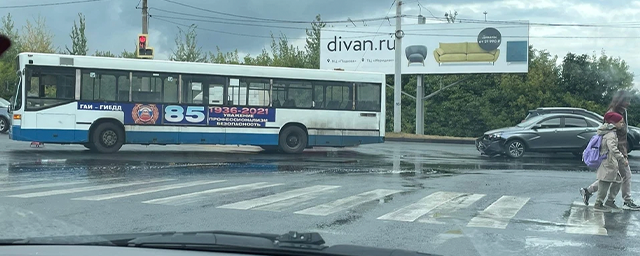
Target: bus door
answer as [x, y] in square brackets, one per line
[47, 89]
[199, 95]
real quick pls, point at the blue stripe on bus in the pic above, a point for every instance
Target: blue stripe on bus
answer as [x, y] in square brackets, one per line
[143, 137]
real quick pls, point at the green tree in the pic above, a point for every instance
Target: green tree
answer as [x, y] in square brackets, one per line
[36, 37]
[104, 54]
[285, 54]
[78, 38]
[312, 48]
[8, 59]
[187, 48]
[127, 54]
[224, 58]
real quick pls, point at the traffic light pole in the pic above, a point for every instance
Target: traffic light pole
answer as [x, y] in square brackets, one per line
[145, 18]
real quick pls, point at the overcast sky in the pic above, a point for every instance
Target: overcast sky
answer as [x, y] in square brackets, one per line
[114, 24]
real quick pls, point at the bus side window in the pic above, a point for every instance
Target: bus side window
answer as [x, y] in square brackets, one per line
[147, 87]
[337, 96]
[318, 95]
[293, 93]
[258, 92]
[170, 89]
[367, 97]
[99, 85]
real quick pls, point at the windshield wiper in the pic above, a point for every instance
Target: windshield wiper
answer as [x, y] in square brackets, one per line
[292, 243]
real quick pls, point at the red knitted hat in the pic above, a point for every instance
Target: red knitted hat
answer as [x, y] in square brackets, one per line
[612, 117]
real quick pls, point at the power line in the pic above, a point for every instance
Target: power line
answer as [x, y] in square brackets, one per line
[542, 37]
[422, 7]
[377, 33]
[377, 30]
[233, 33]
[273, 20]
[48, 4]
[611, 25]
[266, 26]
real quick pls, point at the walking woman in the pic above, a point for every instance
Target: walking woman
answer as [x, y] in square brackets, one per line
[608, 174]
[619, 104]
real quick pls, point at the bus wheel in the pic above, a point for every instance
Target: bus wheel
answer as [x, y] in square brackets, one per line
[107, 138]
[293, 139]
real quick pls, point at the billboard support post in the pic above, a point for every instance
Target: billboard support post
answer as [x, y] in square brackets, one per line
[420, 105]
[420, 95]
[397, 84]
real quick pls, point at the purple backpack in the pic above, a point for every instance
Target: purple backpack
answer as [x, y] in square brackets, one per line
[591, 155]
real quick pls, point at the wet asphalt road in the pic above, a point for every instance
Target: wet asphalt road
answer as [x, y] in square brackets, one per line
[436, 198]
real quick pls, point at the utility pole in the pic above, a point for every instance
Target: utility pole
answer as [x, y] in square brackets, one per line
[420, 96]
[397, 87]
[145, 17]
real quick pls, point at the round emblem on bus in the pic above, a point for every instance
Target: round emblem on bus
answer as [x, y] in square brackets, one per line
[145, 114]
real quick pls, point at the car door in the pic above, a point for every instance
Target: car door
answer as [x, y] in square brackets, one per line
[576, 132]
[547, 131]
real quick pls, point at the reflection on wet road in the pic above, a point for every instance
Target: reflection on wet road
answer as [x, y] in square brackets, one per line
[439, 198]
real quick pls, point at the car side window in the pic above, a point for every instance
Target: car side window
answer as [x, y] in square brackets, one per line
[550, 123]
[571, 122]
[592, 123]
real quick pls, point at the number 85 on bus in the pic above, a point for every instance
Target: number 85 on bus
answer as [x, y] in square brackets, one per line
[176, 114]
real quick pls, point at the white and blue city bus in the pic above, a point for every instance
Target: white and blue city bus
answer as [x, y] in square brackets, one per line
[103, 103]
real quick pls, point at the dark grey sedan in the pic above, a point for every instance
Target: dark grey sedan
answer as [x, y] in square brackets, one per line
[546, 133]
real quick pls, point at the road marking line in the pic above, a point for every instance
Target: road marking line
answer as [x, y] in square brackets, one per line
[9, 182]
[584, 220]
[85, 189]
[300, 201]
[347, 202]
[193, 197]
[266, 200]
[414, 211]
[454, 205]
[499, 213]
[146, 190]
[45, 185]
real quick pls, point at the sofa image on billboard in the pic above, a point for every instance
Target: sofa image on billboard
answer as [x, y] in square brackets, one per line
[464, 52]
[415, 54]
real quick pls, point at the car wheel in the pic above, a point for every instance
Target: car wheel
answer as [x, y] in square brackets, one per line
[4, 125]
[515, 148]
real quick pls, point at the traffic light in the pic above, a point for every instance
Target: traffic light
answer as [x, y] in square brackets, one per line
[144, 51]
[142, 42]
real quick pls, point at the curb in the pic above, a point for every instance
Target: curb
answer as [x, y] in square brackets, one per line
[446, 141]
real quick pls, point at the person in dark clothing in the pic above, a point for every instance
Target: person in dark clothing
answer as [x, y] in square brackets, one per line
[619, 104]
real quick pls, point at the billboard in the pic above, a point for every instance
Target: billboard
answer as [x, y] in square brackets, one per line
[436, 48]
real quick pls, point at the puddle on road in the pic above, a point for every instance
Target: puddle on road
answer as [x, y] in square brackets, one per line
[339, 222]
[327, 161]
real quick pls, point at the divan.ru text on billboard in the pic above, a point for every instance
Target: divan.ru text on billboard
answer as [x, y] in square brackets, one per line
[337, 44]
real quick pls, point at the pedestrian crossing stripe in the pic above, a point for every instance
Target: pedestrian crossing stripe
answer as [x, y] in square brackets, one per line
[430, 209]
